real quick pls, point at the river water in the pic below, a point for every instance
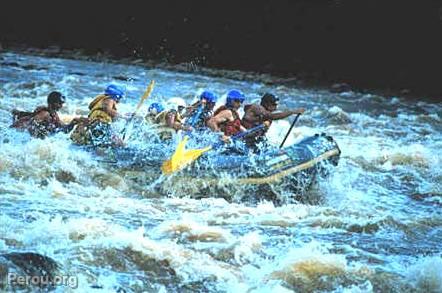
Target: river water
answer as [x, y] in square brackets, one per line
[373, 225]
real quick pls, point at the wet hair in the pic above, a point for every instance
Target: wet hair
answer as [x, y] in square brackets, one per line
[268, 98]
[56, 97]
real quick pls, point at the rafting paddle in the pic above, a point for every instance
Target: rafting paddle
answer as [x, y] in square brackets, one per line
[290, 130]
[140, 103]
[182, 157]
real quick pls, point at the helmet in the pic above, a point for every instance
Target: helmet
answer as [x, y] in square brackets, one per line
[176, 102]
[268, 98]
[209, 96]
[56, 97]
[234, 95]
[114, 91]
[155, 108]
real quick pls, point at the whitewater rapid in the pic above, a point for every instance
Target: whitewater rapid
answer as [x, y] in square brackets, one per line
[373, 225]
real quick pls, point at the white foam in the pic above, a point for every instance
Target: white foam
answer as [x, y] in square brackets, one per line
[426, 274]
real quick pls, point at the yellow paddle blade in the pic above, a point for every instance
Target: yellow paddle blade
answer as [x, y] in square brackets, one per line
[190, 156]
[182, 157]
[140, 103]
[146, 94]
[179, 153]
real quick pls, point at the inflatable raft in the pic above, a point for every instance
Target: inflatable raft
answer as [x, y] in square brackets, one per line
[290, 170]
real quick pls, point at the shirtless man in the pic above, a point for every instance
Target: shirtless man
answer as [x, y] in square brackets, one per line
[263, 113]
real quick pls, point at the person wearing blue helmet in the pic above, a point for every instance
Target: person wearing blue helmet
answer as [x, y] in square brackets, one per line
[155, 108]
[104, 107]
[226, 118]
[201, 111]
[103, 111]
[153, 111]
[114, 91]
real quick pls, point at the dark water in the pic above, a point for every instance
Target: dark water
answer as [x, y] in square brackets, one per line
[374, 225]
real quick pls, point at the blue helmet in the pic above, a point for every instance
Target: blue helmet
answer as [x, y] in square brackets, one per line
[209, 96]
[114, 91]
[234, 95]
[157, 107]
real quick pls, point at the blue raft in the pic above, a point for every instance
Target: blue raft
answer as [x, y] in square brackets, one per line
[292, 169]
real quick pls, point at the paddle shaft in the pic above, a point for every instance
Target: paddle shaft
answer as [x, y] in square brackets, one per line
[140, 103]
[194, 119]
[290, 130]
[248, 131]
[242, 134]
[196, 116]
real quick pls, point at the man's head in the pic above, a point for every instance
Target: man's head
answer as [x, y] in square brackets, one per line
[270, 102]
[56, 100]
[234, 99]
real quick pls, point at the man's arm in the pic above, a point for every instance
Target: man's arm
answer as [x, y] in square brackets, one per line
[108, 107]
[284, 114]
[66, 128]
[188, 111]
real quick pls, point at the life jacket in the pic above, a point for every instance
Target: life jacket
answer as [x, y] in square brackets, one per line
[229, 127]
[81, 134]
[96, 110]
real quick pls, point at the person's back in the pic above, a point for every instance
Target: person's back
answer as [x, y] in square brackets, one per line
[103, 109]
[96, 129]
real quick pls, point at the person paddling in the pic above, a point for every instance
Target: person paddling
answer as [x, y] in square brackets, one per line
[44, 120]
[263, 113]
[96, 129]
[173, 117]
[200, 112]
[226, 118]
[153, 110]
[169, 121]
